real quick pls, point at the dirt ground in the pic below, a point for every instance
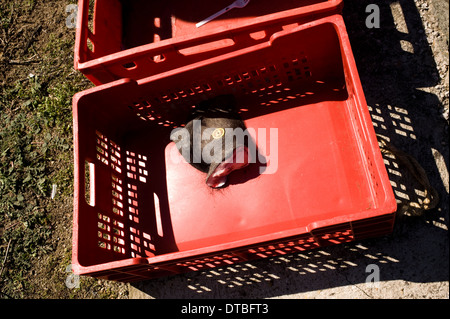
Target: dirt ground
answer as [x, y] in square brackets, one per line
[403, 67]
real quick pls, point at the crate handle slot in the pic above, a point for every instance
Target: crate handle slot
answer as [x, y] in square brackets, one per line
[207, 47]
[86, 34]
[159, 227]
[89, 183]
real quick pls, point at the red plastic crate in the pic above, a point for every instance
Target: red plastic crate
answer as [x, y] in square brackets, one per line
[139, 214]
[139, 38]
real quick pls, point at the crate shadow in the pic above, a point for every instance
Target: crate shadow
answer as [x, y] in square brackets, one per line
[402, 111]
[313, 270]
[388, 61]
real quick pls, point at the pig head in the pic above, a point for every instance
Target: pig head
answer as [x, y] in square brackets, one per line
[213, 140]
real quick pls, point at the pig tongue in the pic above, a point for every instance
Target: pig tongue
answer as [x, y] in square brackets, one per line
[238, 160]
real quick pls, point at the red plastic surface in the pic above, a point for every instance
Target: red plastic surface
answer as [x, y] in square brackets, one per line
[138, 38]
[142, 212]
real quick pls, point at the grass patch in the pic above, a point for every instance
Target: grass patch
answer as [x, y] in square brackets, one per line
[37, 83]
[36, 152]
